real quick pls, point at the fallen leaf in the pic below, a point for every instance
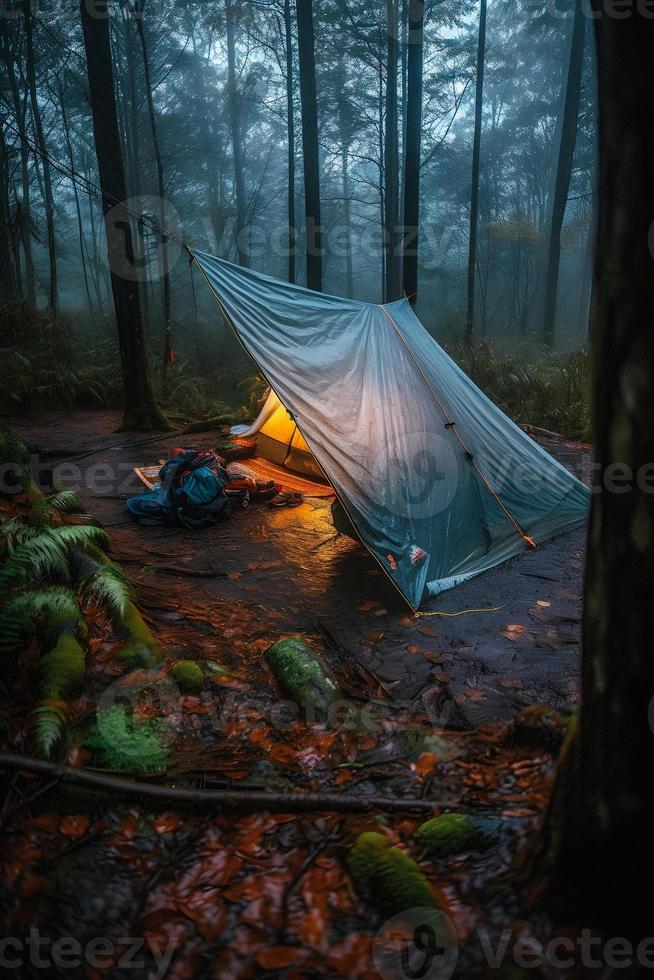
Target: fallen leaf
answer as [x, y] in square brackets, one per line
[514, 630]
[32, 886]
[373, 637]
[425, 763]
[74, 826]
[276, 957]
[166, 823]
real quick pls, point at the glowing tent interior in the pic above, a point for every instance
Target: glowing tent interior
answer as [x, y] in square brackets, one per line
[438, 482]
[279, 439]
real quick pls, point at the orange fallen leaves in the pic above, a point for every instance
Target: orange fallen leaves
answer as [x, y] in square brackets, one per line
[277, 957]
[166, 823]
[425, 764]
[74, 826]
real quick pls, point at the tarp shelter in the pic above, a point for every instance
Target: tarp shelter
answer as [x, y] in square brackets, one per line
[439, 483]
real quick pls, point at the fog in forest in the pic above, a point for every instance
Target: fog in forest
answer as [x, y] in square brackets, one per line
[211, 121]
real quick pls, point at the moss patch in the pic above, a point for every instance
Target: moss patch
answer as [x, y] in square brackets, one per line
[140, 648]
[448, 834]
[188, 676]
[61, 671]
[387, 877]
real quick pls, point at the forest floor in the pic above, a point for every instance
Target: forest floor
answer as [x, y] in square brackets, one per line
[268, 894]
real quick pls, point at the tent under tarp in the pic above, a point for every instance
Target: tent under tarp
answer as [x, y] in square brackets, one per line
[439, 483]
[279, 439]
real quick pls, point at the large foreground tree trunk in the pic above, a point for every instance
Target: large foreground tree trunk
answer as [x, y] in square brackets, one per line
[307, 63]
[598, 834]
[140, 409]
[564, 169]
[412, 149]
[476, 156]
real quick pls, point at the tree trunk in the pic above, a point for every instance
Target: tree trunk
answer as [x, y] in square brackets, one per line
[41, 144]
[164, 271]
[598, 844]
[7, 270]
[564, 169]
[290, 128]
[141, 410]
[392, 289]
[476, 154]
[234, 102]
[310, 148]
[78, 210]
[134, 157]
[20, 109]
[347, 221]
[412, 152]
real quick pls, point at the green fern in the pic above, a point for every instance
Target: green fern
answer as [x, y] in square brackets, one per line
[81, 535]
[34, 554]
[29, 610]
[40, 557]
[66, 502]
[49, 726]
[110, 588]
[123, 746]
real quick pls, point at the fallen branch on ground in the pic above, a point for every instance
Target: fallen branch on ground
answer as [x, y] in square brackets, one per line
[234, 799]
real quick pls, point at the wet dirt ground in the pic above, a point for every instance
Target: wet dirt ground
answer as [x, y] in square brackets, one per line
[288, 573]
[231, 895]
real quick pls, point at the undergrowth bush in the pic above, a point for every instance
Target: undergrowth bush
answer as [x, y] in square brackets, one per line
[533, 385]
[75, 362]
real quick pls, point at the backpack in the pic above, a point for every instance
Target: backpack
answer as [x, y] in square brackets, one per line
[191, 493]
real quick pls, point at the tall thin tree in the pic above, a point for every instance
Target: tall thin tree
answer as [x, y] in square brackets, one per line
[310, 147]
[140, 408]
[48, 197]
[391, 158]
[290, 131]
[415, 36]
[476, 156]
[234, 101]
[568, 129]
[164, 263]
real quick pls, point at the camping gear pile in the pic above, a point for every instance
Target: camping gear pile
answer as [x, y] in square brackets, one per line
[196, 489]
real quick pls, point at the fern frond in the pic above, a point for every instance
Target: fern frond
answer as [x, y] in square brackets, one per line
[21, 616]
[66, 502]
[81, 535]
[42, 556]
[110, 588]
[124, 746]
[49, 725]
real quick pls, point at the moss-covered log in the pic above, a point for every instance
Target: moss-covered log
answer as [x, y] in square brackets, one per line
[448, 834]
[303, 676]
[387, 877]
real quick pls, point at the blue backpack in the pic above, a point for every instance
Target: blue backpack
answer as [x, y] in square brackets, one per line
[191, 492]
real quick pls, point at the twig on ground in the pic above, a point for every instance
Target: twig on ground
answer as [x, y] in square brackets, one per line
[232, 799]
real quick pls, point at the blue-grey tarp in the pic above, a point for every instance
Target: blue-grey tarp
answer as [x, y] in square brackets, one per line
[440, 484]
